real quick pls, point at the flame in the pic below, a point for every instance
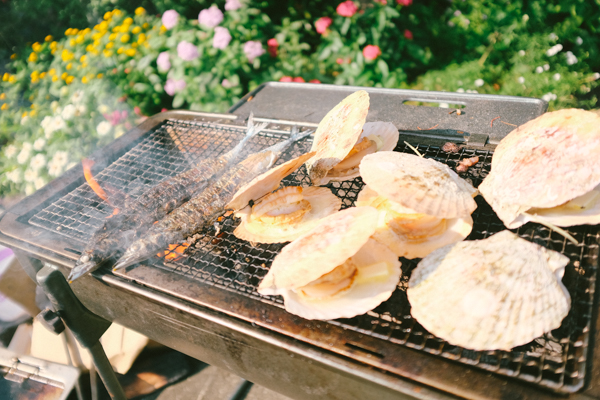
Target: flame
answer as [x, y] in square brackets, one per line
[174, 251]
[87, 172]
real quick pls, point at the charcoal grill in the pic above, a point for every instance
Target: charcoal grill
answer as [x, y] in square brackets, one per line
[205, 303]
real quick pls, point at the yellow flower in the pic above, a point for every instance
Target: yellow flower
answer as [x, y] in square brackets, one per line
[33, 57]
[120, 50]
[125, 38]
[69, 66]
[141, 38]
[2, 96]
[107, 15]
[123, 28]
[54, 78]
[66, 55]
[112, 36]
[84, 65]
[84, 79]
[4, 107]
[97, 43]
[72, 42]
[36, 47]
[103, 26]
[82, 58]
[117, 12]
[116, 29]
[12, 79]
[74, 31]
[68, 32]
[146, 25]
[32, 106]
[53, 45]
[89, 48]
[107, 53]
[52, 72]
[5, 77]
[100, 76]
[24, 114]
[42, 75]
[48, 38]
[35, 76]
[139, 11]
[69, 79]
[64, 75]
[134, 45]
[13, 56]
[136, 30]
[163, 29]
[130, 52]
[79, 39]
[32, 113]
[128, 21]
[109, 45]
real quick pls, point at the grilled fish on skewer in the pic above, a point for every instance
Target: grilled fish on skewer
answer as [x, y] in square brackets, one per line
[136, 214]
[205, 207]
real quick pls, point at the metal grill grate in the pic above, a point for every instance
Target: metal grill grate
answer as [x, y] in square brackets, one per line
[556, 361]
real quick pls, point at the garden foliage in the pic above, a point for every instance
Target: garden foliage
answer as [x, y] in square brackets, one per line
[62, 97]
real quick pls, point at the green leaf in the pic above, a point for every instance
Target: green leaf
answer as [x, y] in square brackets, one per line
[141, 87]
[346, 26]
[383, 67]
[145, 61]
[178, 100]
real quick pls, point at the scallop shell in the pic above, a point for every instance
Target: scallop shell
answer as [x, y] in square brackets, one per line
[490, 294]
[362, 296]
[421, 184]
[321, 201]
[319, 251]
[401, 242]
[544, 163]
[385, 134]
[337, 133]
[266, 182]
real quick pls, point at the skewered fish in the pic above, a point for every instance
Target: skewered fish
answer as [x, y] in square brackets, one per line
[135, 215]
[206, 206]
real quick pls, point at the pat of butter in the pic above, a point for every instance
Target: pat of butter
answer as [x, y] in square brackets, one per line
[378, 270]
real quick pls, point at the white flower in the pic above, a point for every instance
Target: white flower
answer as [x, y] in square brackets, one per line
[460, 90]
[579, 41]
[457, 13]
[596, 76]
[549, 97]
[553, 36]
[10, 150]
[546, 67]
[103, 109]
[60, 158]
[554, 50]
[23, 155]
[27, 146]
[68, 112]
[525, 17]
[54, 106]
[521, 53]
[39, 182]
[119, 131]
[24, 119]
[103, 128]
[80, 110]
[451, 24]
[14, 176]
[54, 168]
[479, 82]
[37, 162]
[571, 58]
[521, 79]
[29, 189]
[30, 175]
[39, 144]
[64, 91]
[556, 76]
[77, 97]
[472, 91]
[443, 105]
[539, 70]
[46, 122]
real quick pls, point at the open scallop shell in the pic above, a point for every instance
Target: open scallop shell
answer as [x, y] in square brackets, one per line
[490, 294]
[321, 203]
[337, 133]
[363, 295]
[319, 251]
[412, 237]
[266, 182]
[543, 164]
[384, 136]
[423, 185]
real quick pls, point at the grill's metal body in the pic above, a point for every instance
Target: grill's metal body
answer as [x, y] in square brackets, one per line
[206, 303]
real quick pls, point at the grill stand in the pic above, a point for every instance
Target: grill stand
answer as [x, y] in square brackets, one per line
[86, 326]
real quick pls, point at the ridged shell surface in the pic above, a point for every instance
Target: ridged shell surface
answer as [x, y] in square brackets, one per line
[490, 294]
[421, 184]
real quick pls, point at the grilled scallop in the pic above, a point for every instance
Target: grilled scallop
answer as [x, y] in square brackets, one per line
[490, 294]
[423, 204]
[335, 270]
[548, 168]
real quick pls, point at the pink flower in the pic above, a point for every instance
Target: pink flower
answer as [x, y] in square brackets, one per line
[322, 24]
[210, 17]
[187, 51]
[169, 18]
[137, 110]
[163, 62]
[221, 38]
[253, 49]
[404, 2]
[231, 5]
[384, 2]
[339, 60]
[286, 79]
[163, 110]
[226, 84]
[298, 79]
[408, 34]
[371, 52]
[347, 8]
[172, 86]
[272, 46]
[314, 81]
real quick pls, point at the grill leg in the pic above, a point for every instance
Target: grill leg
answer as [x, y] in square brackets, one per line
[85, 326]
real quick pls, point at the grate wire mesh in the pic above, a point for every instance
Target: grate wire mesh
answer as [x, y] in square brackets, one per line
[554, 361]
